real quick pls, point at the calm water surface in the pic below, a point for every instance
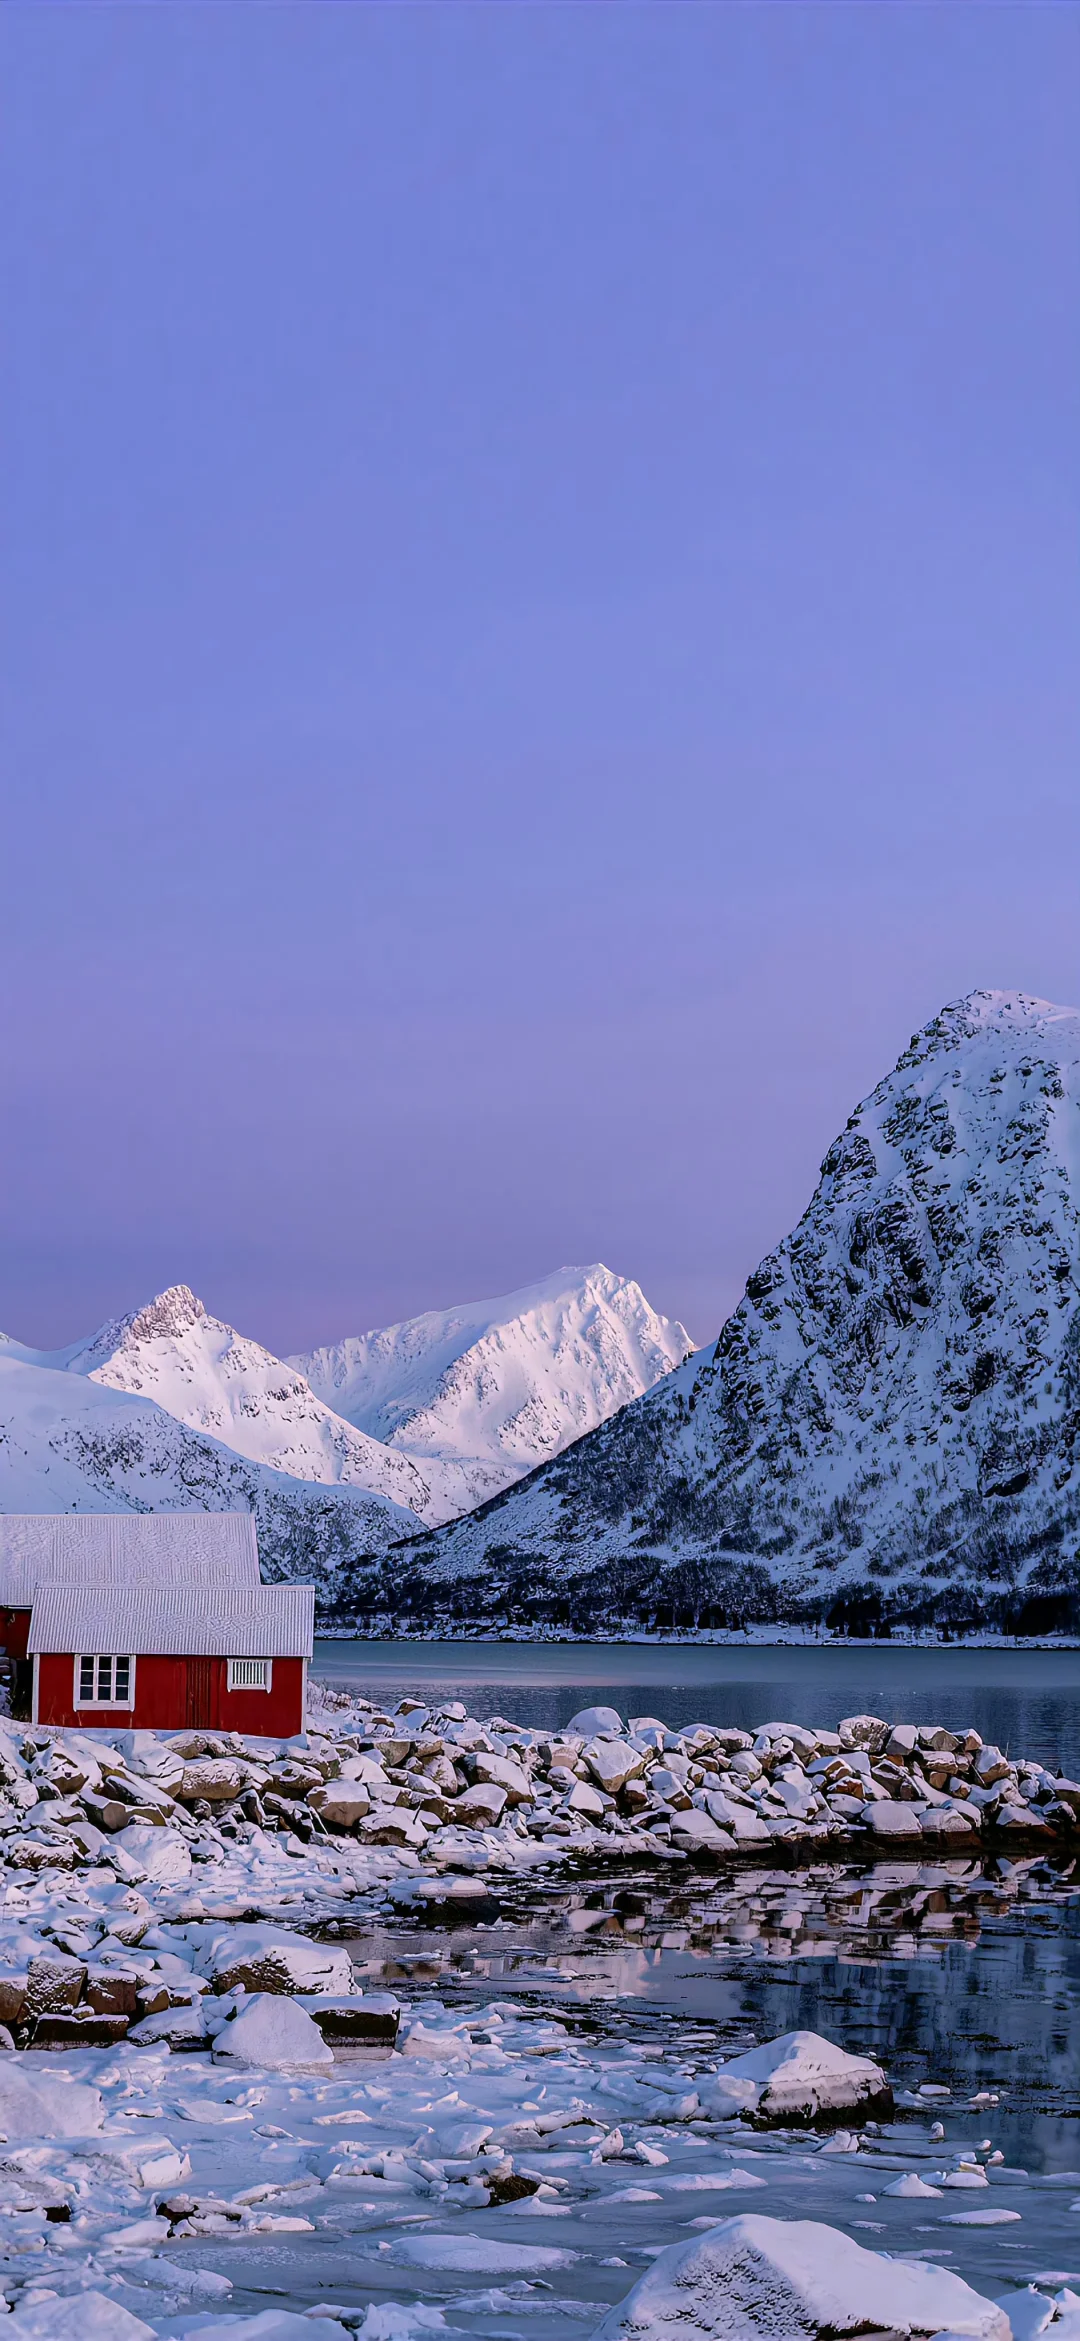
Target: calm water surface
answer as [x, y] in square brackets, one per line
[1026, 1700]
[961, 1973]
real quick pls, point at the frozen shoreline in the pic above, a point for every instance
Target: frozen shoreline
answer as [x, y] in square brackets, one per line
[171, 1914]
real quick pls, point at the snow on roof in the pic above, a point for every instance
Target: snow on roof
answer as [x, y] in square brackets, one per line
[124, 1548]
[263, 1621]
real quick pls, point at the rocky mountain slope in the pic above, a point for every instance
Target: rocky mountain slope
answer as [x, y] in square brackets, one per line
[482, 1393]
[887, 1426]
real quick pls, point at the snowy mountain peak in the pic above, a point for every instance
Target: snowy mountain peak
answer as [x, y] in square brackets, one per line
[1008, 1015]
[889, 1424]
[166, 1318]
[491, 1388]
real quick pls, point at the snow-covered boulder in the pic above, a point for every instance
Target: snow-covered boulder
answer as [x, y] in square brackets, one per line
[748, 1826]
[340, 1803]
[37, 2101]
[798, 2078]
[172, 2028]
[612, 1763]
[758, 2279]
[270, 1959]
[213, 1778]
[597, 1723]
[697, 1832]
[88, 2316]
[162, 1854]
[889, 1817]
[502, 1772]
[480, 1807]
[274, 2032]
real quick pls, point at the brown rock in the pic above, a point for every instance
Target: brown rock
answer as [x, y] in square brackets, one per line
[106, 1812]
[43, 1853]
[52, 1983]
[12, 1997]
[215, 1778]
[153, 1999]
[77, 2028]
[112, 1991]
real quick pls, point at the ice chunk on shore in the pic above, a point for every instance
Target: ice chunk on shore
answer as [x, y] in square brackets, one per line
[1029, 2312]
[90, 2316]
[758, 2279]
[274, 2324]
[798, 2078]
[272, 2031]
[36, 2104]
[481, 2254]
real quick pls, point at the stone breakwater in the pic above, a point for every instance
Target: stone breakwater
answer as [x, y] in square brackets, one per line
[105, 1837]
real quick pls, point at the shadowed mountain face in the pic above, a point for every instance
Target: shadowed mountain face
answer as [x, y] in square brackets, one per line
[887, 1426]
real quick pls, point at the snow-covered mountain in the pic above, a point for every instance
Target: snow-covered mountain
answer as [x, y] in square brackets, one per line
[216, 1381]
[71, 1443]
[888, 1425]
[169, 1408]
[484, 1392]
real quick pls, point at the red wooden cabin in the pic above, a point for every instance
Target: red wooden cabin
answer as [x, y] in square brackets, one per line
[155, 1658]
[167, 1549]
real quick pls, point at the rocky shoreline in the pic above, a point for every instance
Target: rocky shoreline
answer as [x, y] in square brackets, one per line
[230, 2104]
[104, 1837]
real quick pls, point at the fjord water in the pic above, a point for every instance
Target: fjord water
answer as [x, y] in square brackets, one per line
[1026, 1701]
[960, 1973]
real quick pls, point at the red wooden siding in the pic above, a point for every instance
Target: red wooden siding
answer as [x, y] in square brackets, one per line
[14, 1628]
[174, 1694]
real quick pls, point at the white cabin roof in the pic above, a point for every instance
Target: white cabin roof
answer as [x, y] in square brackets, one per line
[124, 1548]
[263, 1621]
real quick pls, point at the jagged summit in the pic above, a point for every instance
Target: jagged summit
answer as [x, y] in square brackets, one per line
[167, 1317]
[489, 1389]
[889, 1422]
[1018, 1015]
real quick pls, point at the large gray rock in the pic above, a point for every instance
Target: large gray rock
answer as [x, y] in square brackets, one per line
[758, 2279]
[271, 1960]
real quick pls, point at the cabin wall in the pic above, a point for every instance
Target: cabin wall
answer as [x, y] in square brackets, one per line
[14, 1628]
[177, 1694]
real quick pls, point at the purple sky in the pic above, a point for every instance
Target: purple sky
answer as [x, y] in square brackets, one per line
[541, 627]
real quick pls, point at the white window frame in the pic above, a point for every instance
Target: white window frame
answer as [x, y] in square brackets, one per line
[95, 1659]
[239, 1676]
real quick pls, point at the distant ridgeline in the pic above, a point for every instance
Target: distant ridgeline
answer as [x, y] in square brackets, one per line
[886, 1430]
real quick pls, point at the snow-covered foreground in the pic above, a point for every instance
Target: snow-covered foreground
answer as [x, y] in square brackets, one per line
[235, 2137]
[494, 2176]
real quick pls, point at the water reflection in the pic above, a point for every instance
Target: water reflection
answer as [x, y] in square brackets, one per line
[964, 1974]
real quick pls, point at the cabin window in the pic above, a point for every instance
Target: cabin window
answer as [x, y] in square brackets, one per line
[249, 1674]
[104, 1681]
